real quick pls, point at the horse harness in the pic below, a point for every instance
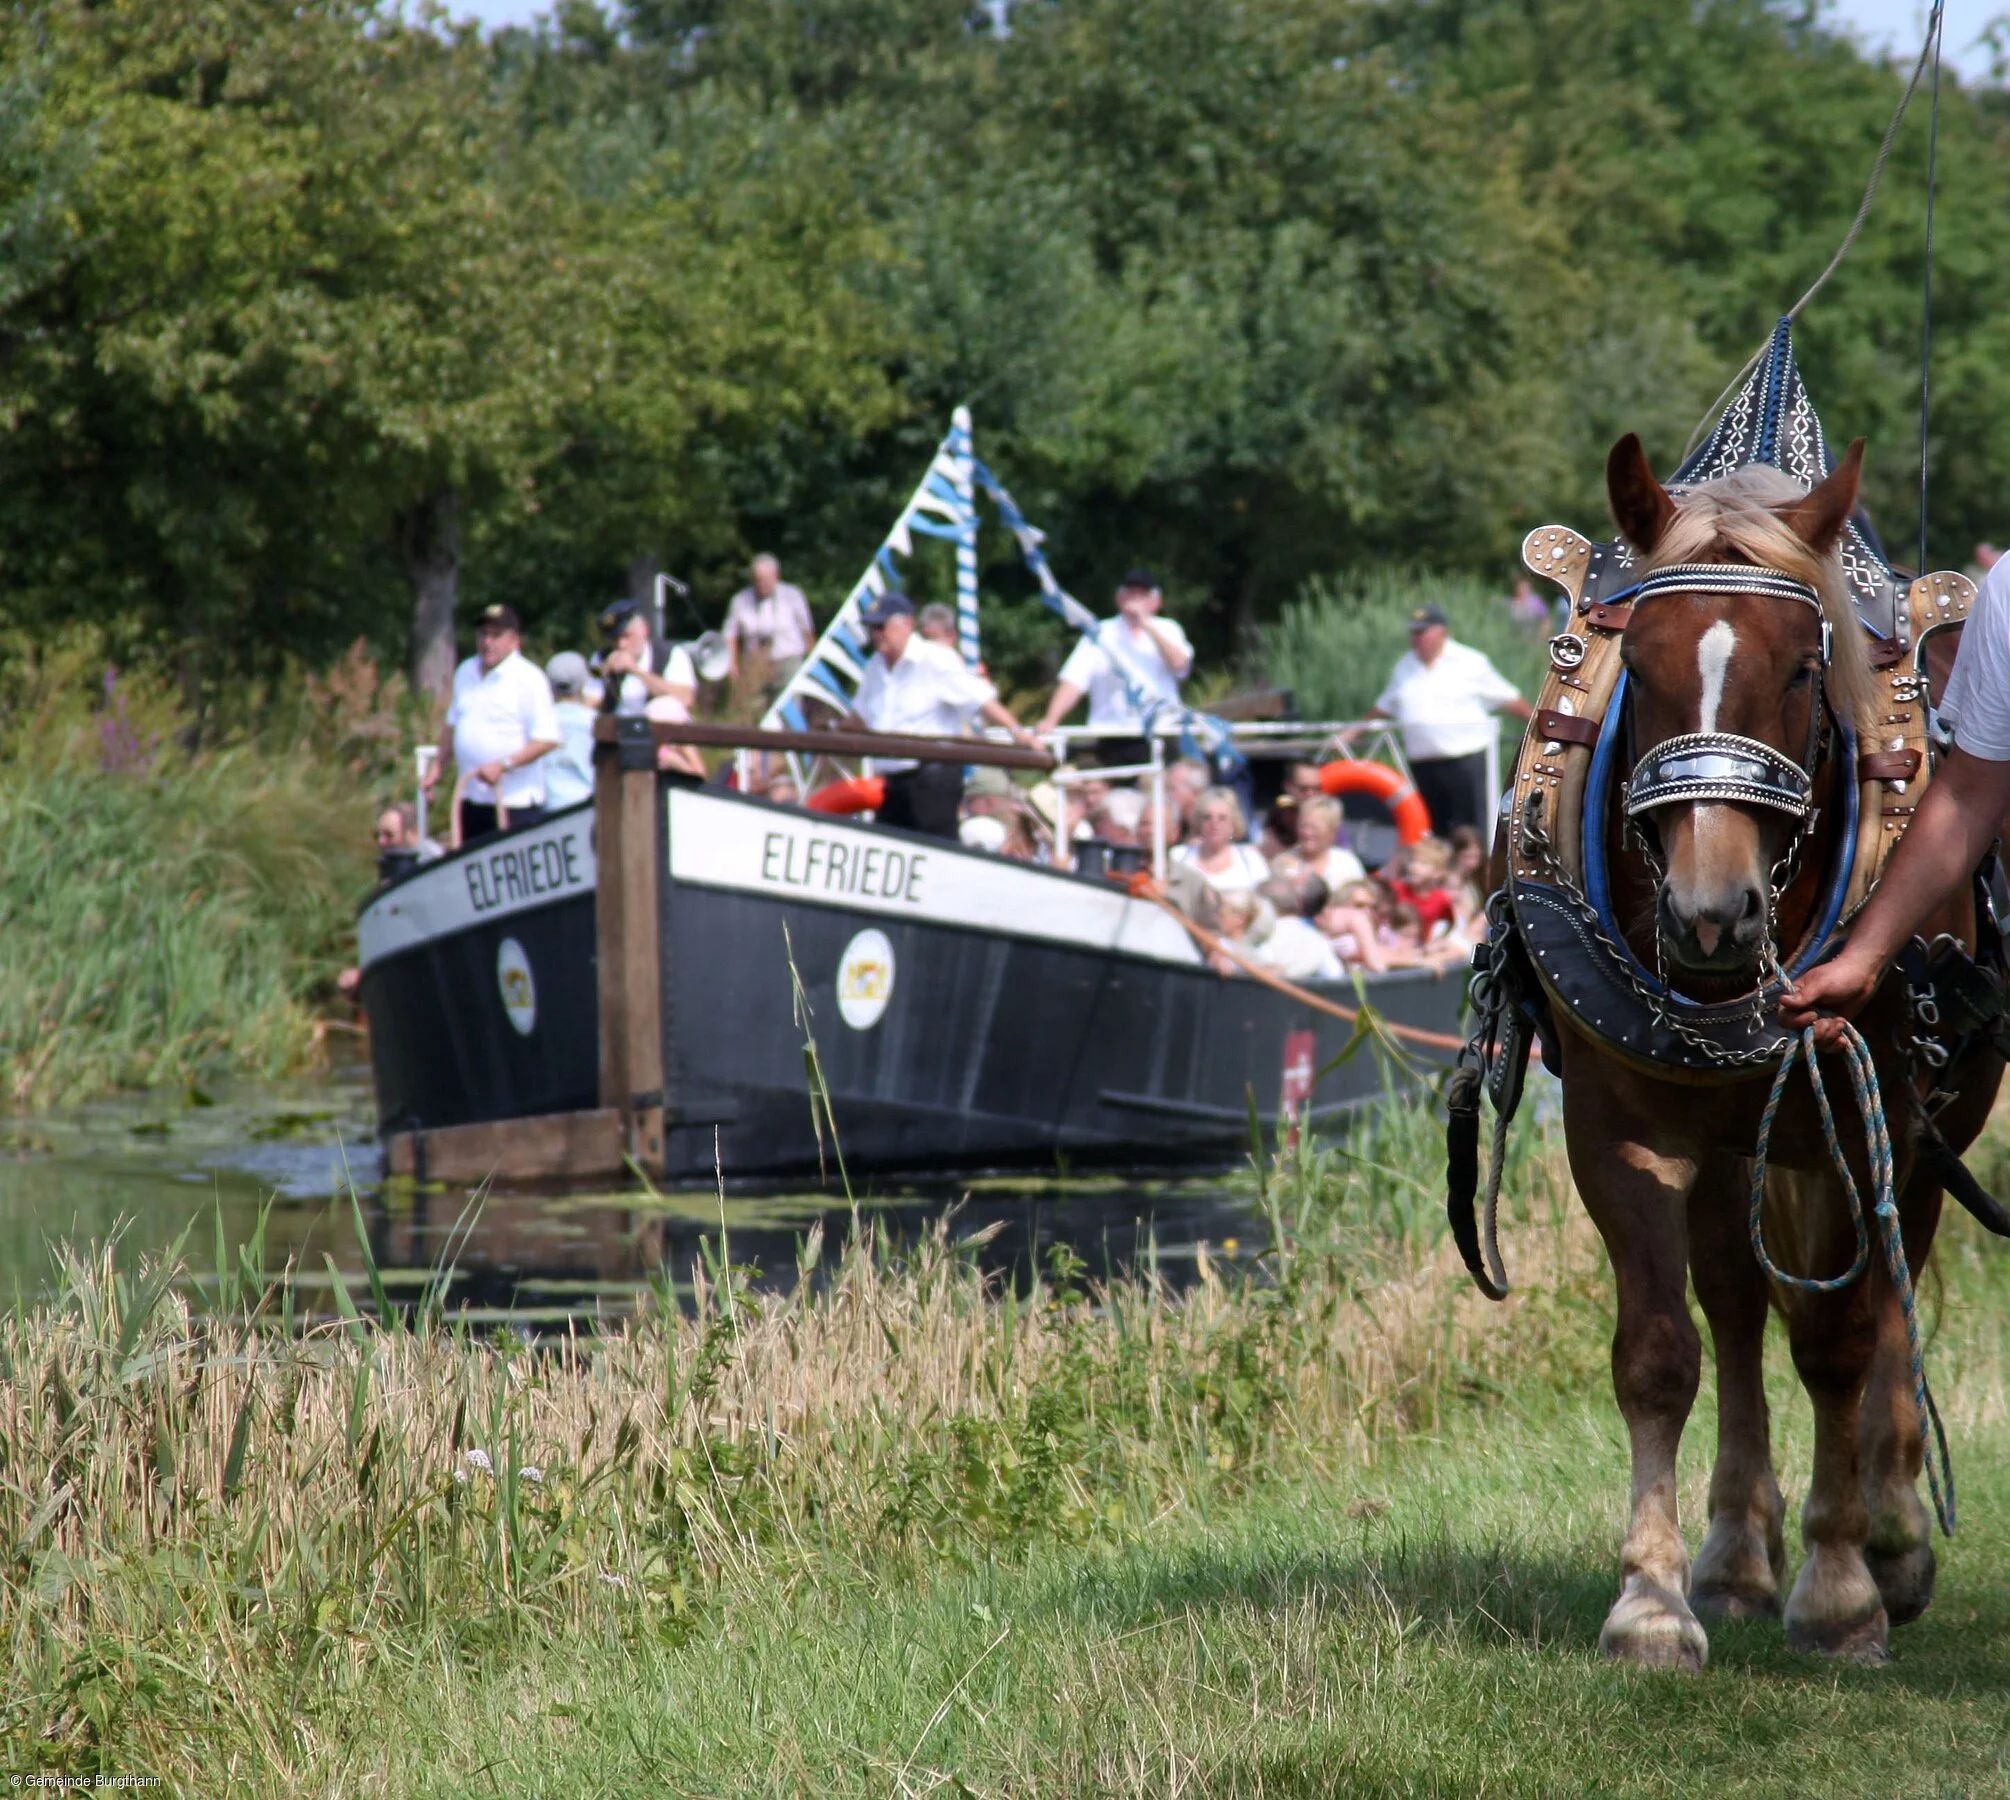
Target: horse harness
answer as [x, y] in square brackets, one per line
[1554, 943]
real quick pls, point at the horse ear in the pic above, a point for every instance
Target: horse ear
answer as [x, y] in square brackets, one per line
[1819, 519]
[1640, 504]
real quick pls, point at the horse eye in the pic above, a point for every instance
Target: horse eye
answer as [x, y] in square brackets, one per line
[1802, 676]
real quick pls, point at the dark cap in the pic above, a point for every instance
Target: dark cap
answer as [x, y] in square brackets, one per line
[1140, 578]
[1426, 616]
[890, 605]
[613, 620]
[498, 614]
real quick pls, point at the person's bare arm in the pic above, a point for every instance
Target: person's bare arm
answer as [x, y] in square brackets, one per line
[1963, 810]
[1518, 708]
[1066, 695]
[493, 772]
[446, 755]
[1179, 658]
[997, 713]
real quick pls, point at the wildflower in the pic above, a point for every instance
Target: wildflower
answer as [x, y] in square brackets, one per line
[532, 1473]
[479, 1459]
[620, 1581]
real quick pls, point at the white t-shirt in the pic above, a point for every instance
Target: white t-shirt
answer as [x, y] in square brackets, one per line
[682, 672]
[930, 692]
[1088, 667]
[1246, 867]
[1297, 949]
[493, 716]
[1976, 706]
[1336, 867]
[781, 624]
[568, 770]
[1447, 708]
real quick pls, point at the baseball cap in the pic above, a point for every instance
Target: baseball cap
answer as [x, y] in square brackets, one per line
[988, 782]
[1140, 578]
[1426, 616]
[890, 605]
[614, 619]
[567, 670]
[498, 614]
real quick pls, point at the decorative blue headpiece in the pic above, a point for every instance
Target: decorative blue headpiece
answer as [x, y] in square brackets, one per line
[1771, 420]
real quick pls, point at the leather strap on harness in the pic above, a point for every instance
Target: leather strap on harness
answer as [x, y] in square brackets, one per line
[1565, 728]
[1887, 765]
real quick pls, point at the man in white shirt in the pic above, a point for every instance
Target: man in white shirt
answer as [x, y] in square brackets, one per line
[1444, 696]
[1152, 651]
[1964, 810]
[500, 721]
[633, 660]
[911, 685]
[771, 619]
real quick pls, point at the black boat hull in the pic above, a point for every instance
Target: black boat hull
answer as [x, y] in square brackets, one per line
[967, 1012]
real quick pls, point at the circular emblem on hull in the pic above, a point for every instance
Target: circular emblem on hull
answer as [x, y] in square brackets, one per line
[519, 990]
[865, 979]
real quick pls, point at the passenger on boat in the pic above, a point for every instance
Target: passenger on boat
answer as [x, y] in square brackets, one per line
[1318, 851]
[1421, 876]
[1217, 849]
[937, 623]
[1244, 922]
[1444, 695]
[1154, 654]
[499, 723]
[993, 796]
[675, 759]
[398, 832]
[923, 689]
[1186, 780]
[1118, 818]
[768, 620]
[1280, 823]
[782, 790]
[632, 660]
[568, 770]
[1297, 949]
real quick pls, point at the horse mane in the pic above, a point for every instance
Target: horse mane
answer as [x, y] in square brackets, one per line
[1736, 519]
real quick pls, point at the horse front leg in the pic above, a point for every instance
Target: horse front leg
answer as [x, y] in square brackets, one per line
[1638, 1197]
[1835, 1606]
[1741, 1568]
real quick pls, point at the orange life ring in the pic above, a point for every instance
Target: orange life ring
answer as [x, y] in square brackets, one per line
[1406, 806]
[862, 793]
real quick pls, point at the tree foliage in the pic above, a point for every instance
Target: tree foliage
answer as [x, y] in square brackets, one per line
[298, 304]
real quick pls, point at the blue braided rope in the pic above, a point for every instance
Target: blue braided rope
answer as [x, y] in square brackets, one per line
[1884, 1203]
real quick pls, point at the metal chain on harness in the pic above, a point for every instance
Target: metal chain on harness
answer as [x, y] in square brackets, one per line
[1884, 1205]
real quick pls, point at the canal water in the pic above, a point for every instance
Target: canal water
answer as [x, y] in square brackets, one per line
[304, 1156]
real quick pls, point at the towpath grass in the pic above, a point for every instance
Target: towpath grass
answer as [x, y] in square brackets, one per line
[1340, 1528]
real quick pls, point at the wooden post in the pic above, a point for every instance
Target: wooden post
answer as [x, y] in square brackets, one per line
[628, 851]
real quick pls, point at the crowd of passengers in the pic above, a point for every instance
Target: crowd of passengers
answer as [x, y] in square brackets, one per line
[1287, 892]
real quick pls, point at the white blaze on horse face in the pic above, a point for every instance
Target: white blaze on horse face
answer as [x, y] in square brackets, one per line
[1713, 660]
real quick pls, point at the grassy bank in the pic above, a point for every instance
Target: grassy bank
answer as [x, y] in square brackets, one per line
[1331, 1524]
[172, 917]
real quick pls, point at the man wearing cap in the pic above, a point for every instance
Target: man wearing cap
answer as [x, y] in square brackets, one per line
[632, 659]
[1153, 653]
[499, 723]
[769, 617]
[922, 689]
[1444, 695]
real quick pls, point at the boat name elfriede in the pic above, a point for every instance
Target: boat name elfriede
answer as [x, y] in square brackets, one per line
[873, 869]
[515, 873]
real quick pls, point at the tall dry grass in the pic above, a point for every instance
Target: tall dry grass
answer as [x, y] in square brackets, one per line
[189, 1471]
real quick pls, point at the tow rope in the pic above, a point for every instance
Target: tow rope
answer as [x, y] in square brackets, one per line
[1146, 887]
[1884, 1204]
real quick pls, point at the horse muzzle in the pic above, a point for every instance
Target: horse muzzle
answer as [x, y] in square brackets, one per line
[1720, 933]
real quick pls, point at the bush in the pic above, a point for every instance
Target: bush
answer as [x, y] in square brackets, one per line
[1336, 643]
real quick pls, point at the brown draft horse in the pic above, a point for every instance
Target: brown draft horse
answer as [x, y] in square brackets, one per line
[1664, 1160]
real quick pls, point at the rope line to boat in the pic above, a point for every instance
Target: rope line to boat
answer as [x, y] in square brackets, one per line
[1884, 1205]
[1144, 887]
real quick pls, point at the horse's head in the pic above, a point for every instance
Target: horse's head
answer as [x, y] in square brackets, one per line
[1738, 636]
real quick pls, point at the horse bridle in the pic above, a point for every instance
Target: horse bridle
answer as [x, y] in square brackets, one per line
[1723, 765]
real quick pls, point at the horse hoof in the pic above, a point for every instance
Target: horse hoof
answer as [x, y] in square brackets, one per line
[1652, 1626]
[1835, 1608]
[1904, 1580]
[1718, 1601]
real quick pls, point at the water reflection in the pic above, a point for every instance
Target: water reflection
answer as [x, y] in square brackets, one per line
[148, 1169]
